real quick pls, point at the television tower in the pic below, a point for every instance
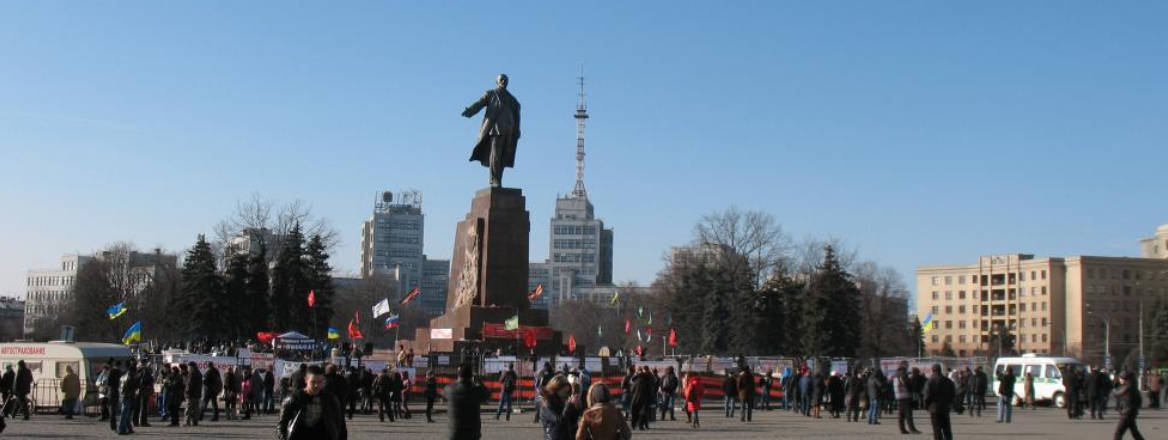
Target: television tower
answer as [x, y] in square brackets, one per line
[581, 114]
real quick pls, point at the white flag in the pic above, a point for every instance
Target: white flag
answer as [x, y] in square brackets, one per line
[381, 308]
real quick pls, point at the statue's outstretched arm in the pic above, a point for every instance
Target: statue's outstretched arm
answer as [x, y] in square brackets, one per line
[478, 105]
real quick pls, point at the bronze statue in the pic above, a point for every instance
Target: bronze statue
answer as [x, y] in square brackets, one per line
[499, 134]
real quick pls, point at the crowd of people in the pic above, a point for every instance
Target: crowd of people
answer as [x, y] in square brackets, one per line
[318, 399]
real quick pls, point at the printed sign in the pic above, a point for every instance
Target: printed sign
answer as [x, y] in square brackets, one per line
[441, 333]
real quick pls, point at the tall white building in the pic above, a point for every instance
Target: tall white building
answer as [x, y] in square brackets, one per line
[580, 247]
[1156, 246]
[391, 245]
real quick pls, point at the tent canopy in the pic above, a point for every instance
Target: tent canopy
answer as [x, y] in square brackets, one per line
[293, 335]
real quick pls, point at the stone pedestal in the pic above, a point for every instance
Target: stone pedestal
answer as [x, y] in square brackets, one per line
[488, 275]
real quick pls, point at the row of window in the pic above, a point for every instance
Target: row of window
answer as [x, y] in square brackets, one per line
[586, 243]
[998, 294]
[574, 258]
[1104, 273]
[50, 281]
[985, 324]
[996, 310]
[994, 279]
[574, 230]
[983, 338]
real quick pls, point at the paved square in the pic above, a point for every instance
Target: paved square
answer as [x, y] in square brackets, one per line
[1036, 424]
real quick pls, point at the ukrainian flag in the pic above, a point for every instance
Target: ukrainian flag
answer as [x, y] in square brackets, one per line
[333, 333]
[928, 323]
[116, 310]
[133, 334]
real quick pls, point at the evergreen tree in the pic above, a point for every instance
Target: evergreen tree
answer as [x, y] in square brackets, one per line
[744, 305]
[201, 302]
[257, 314]
[1157, 327]
[289, 287]
[318, 274]
[831, 325]
[777, 328]
[235, 309]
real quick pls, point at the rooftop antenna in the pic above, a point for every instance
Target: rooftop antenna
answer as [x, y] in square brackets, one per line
[581, 114]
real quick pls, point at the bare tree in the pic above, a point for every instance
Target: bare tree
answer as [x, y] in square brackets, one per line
[755, 235]
[808, 253]
[260, 214]
[884, 308]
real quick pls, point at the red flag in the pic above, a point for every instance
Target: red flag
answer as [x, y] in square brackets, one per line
[311, 299]
[411, 295]
[628, 326]
[529, 338]
[640, 350]
[354, 332]
[266, 337]
[672, 338]
[649, 333]
[535, 294]
[571, 343]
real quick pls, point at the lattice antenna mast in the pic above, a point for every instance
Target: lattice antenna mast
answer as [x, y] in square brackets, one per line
[581, 115]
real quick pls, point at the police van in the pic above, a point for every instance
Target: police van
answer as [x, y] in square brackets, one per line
[1047, 372]
[47, 362]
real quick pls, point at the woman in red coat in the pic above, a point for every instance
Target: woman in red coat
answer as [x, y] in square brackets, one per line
[694, 390]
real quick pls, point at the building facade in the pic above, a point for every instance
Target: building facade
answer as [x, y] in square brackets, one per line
[1051, 305]
[392, 241]
[11, 319]
[47, 289]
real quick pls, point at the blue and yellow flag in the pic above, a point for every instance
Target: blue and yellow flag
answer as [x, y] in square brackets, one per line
[133, 334]
[116, 310]
[333, 333]
[928, 323]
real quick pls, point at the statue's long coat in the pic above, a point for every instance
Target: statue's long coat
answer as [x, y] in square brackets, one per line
[501, 119]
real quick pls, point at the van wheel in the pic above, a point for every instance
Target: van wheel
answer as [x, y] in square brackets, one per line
[1059, 400]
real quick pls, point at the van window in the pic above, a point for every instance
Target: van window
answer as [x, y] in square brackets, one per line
[1035, 370]
[34, 366]
[1052, 372]
[61, 368]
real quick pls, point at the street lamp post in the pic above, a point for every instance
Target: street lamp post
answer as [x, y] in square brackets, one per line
[1106, 336]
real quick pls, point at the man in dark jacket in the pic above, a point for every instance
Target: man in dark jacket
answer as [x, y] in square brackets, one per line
[1092, 389]
[22, 386]
[6, 382]
[642, 395]
[353, 379]
[381, 387]
[194, 394]
[113, 384]
[507, 382]
[875, 388]
[269, 391]
[312, 412]
[746, 392]
[938, 399]
[979, 384]
[212, 385]
[766, 382]
[130, 384]
[626, 392]
[1006, 395]
[1129, 395]
[669, 386]
[1071, 386]
[463, 401]
[145, 390]
[174, 394]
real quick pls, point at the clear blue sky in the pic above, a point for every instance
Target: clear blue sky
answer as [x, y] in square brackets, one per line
[919, 132]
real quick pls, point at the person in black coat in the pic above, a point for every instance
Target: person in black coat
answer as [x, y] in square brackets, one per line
[730, 392]
[835, 391]
[1129, 397]
[1071, 386]
[6, 382]
[643, 384]
[212, 385]
[145, 390]
[818, 384]
[464, 399]
[22, 386]
[853, 392]
[1092, 389]
[113, 383]
[979, 384]
[312, 412]
[194, 384]
[938, 400]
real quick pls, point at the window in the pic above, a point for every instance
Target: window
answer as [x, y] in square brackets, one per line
[1032, 277]
[936, 339]
[1044, 337]
[1052, 372]
[961, 339]
[1021, 276]
[960, 294]
[1044, 290]
[936, 309]
[1044, 324]
[948, 280]
[961, 279]
[948, 294]
[936, 295]
[1044, 308]
[1033, 338]
[1034, 321]
[948, 310]
[960, 309]
[948, 325]
[1022, 307]
[935, 281]
[1090, 273]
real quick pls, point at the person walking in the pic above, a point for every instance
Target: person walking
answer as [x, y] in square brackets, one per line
[1092, 388]
[114, 393]
[129, 396]
[507, 382]
[853, 390]
[818, 386]
[729, 394]
[551, 413]
[145, 393]
[642, 395]
[875, 387]
[835, 392]
[694, 391]
[938, 398]
[269, 391]
[1071, 387]
[1006, 395]
[174, 394]
[1128, 394]
[788, 385]
[464, 398]
[431, 394]
[194, 394]
[9, 379]
[959, 382]
[231, 389]
[602, 421]
[1154, 387]
[71, 389]
[381, 393]
[1028, 390]
[312, 412]
[669, 386]
[902, 389]
[353, 382]
[980, 385]
[212, 386]
[746, 393]
[766, 382]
